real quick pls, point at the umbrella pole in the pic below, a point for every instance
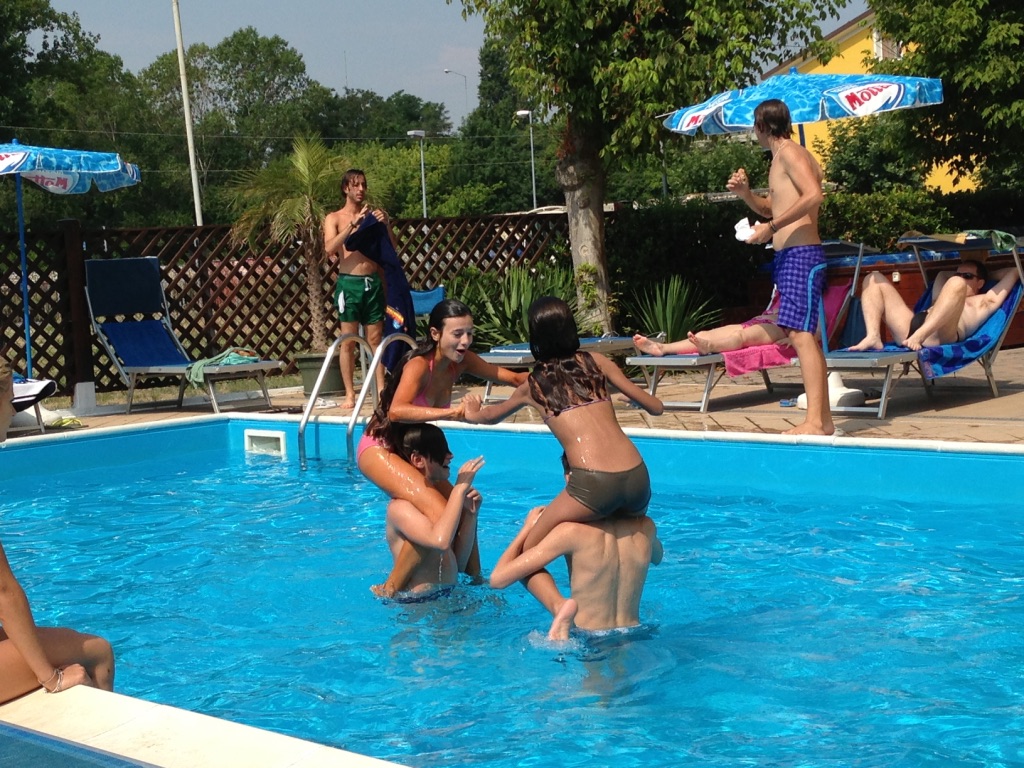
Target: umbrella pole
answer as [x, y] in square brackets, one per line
[24, 274]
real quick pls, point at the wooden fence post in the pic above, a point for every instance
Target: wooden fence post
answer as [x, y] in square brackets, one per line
[80, 353]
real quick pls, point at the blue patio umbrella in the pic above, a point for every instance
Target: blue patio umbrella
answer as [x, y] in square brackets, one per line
[63, 172]
[810, 98]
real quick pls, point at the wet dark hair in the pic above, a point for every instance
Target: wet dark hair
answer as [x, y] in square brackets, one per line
[380, 424]
[425, 439]
[772, 117]
[563, 376]
[350, 174]
[553, 331]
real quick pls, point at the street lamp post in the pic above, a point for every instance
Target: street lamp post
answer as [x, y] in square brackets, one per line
[423, 170]
[533, 165]
[465, 84]
[188, 115]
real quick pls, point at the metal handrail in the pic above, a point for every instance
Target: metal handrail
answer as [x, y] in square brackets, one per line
[308, 410]
[369, 385]
[370, 382]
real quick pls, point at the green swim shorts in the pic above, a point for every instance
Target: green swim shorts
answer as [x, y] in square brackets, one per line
[360, 299]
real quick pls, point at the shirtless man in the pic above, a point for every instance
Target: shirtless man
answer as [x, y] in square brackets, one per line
[791, 207]
[451, 542]
[359, 292]
[607, 560]
[958, 308]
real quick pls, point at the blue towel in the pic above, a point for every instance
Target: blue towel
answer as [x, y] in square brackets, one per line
[374, 242]
[946, 358]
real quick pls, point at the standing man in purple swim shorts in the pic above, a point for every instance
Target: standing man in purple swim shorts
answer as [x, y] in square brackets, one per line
[791, 207]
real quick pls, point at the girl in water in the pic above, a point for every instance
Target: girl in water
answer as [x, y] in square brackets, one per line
[420, 390]
[570, 388]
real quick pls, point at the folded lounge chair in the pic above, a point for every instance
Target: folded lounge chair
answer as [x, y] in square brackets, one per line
[132, 321]
[28, 393]
[933, 362]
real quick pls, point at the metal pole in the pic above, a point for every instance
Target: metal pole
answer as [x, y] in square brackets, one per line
[423, 179]
[24, 275]
[528, 113]
[465, 85]
[188, 115]
[533, 165]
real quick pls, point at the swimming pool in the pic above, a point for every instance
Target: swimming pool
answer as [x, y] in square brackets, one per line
[853, 605]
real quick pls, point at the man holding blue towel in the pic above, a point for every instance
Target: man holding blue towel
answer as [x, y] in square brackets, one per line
[359, 292]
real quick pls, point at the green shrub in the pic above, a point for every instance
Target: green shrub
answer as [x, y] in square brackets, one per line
[881, 217]
[500, 304]
[694, 240]
[672, 307]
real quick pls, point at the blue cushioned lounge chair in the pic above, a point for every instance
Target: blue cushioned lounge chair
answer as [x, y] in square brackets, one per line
[933, 362]
[132, 321]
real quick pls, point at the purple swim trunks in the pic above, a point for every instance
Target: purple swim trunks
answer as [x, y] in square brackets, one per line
[800, 279]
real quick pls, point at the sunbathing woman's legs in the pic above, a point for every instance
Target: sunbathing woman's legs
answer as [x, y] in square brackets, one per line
[722, 339]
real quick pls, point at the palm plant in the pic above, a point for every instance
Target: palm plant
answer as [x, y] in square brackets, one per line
[674, 307]
[500, 306]
[289, 195]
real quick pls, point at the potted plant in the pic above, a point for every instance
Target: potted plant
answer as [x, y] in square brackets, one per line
[287, 195]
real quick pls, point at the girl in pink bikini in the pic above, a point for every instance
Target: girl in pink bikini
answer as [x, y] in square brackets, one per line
[417, 391]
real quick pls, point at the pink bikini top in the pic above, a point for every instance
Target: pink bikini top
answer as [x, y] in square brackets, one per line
[421, 396]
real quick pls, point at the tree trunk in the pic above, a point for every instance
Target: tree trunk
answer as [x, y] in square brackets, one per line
[315, 292]
[581, 175]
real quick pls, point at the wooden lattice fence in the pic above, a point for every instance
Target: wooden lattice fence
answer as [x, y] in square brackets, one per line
[222, 294]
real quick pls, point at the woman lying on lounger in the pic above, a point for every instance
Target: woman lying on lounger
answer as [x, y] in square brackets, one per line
[752, 333]
[52, 658]
[417, 391]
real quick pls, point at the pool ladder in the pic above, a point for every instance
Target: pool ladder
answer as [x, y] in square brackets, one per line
[369, 385]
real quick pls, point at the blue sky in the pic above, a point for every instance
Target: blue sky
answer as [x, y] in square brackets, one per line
[381, 45]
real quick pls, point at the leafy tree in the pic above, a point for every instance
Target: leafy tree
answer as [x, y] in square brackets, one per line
[34, 40]
[491, 156]
[367, 115]
[291, 195]
[611, 66]
[974, 46]
[685, 166]
[873, 154]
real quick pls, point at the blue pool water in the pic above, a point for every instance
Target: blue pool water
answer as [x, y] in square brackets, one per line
[817, 605]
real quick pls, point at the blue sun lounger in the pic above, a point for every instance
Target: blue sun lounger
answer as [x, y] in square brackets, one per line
[933, 362]
[132, 321]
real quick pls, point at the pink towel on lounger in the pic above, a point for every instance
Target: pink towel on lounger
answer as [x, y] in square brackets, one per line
[750, 359]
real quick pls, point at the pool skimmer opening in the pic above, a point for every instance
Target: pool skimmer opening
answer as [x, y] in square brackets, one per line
[266, 441]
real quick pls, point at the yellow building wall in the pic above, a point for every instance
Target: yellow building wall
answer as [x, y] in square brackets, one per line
[855, 44]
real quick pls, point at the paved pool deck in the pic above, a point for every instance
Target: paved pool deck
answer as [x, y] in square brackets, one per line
[958, 407]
